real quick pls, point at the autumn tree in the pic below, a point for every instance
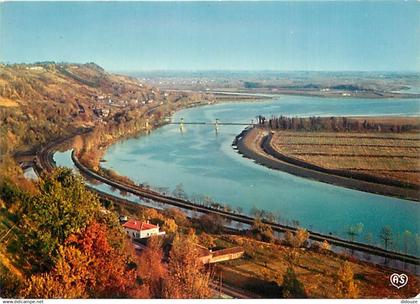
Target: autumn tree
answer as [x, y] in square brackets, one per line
[88, 266]
[187, 277]
[169, 226]
[62, 207]
[211, 223]
[10, 283]
[346, 286]
[177, 215]
[325, 246]
[78, 144]
[301, 237]
[150, 269]
[114, 274]
[206, 240]
[9, 169]
[297, 239]
[68, 280]
[262, 231]
[292, 287]
[13, 196]
[150, 214]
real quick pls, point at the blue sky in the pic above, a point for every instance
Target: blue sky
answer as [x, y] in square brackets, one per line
[133, 36]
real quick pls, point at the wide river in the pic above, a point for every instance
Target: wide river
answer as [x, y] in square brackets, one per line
[206, 164]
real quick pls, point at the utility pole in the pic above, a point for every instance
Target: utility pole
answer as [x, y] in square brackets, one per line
[216, 126]
[181, 125]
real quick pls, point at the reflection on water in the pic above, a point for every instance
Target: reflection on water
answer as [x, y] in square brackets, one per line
[29, 173]
[206, 165]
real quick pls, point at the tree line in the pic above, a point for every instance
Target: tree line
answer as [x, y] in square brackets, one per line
[406, 242]
[331, 124]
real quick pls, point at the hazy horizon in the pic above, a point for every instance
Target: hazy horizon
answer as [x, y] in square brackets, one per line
[212, 70]
[169, 36]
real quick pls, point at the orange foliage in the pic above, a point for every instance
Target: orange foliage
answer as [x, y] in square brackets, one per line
[187, 277]
[110, 266]
[151, 269]
[88, 266]
[68, 279]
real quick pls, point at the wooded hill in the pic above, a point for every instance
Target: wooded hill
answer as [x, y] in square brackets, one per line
[45, 101]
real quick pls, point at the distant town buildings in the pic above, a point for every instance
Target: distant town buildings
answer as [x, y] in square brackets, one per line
[36, 68]
[101, 112]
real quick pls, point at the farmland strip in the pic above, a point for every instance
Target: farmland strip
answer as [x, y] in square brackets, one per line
[349, 145]
[350, 136]
[355, 155]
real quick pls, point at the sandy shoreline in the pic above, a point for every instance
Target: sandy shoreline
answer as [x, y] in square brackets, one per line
[254, 144]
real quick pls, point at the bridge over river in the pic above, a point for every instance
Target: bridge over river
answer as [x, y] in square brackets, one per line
[215, 124]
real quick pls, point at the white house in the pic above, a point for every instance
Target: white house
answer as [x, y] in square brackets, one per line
[140, 230]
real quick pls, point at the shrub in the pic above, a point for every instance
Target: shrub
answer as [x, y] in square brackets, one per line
[298, 239]
[262, 231]
[211, 223]
[292, 287]
[346, 286]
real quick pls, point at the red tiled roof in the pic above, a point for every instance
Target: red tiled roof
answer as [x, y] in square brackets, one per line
[138, 225]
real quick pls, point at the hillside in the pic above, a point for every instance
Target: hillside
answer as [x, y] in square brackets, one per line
[45, 101]
[42, 229]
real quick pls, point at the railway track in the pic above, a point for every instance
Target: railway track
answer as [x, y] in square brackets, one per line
[144, 193]
[45, 162]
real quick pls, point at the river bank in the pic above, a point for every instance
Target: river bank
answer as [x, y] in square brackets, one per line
[99, 141]
[202, 163]
[256, 144]
[235, 217]
[323, 260]
[46, 162]
[272, 191]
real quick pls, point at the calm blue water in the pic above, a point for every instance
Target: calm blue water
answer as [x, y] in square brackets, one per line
[206, 164]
